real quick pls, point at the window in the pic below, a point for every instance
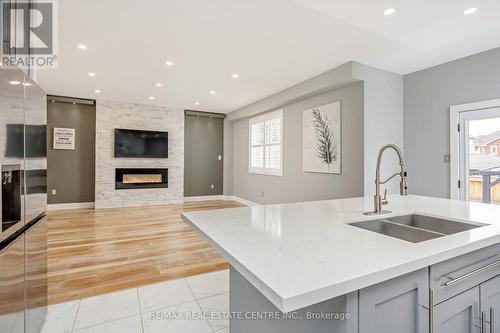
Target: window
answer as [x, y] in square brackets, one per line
[494, 150]
[265, 152]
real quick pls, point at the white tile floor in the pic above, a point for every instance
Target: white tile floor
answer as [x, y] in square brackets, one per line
[142, 310]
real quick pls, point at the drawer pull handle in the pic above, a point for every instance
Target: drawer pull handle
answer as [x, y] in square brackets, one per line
[431, 311]
[473, 273]
[492, 320]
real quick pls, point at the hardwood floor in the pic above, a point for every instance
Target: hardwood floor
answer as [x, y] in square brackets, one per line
[93, 252]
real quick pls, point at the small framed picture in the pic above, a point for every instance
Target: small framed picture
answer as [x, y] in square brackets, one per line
[64, 138]
[322, 139]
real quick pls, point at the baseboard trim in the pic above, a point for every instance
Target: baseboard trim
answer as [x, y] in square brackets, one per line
[221, 197]
[80, 205]
[204, 198]
[241, 200]
[73, 205]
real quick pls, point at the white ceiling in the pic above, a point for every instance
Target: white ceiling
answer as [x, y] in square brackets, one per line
[271, 44]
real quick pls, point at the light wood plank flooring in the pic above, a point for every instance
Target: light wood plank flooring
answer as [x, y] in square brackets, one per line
[92, 252]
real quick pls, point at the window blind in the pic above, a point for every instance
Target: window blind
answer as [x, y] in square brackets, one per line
[265, 150]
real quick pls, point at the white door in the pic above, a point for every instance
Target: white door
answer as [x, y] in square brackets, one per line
[479, 158]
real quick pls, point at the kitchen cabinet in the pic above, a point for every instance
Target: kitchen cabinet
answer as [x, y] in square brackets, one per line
[473, 311]
[490, 304]
[459, 314]
[36, 276]
[463, 295]
[399, 305]
[23, 235]
[12, 287]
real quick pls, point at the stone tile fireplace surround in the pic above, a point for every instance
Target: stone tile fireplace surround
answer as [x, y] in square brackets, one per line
[111, 115]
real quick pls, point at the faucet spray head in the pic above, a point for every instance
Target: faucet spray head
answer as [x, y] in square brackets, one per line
[403, 187]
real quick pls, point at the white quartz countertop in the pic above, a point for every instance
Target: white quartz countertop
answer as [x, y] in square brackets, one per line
[304, 253]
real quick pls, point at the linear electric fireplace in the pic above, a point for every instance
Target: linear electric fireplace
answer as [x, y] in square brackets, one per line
[140, 178]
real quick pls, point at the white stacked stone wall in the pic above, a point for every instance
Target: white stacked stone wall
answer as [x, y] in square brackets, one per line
[111, 115]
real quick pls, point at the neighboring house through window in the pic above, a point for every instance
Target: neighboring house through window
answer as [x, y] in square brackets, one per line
[265, 152]
[494, 150]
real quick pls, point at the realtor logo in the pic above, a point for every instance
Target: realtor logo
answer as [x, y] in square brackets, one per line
[29, 33]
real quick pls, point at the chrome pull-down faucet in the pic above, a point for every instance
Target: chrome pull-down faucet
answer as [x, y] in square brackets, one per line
[403, 189]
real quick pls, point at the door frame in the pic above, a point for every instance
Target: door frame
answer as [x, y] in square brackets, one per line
[455, 137]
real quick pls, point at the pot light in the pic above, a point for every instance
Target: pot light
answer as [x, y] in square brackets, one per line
[212, 92]
[169, 63]
[235, 75]
[151, 98]
[91, 74]
[26, 84]
[197, 103]
[469, 11]
[389, 11]
[158, 85]
[82, 46]
[97, 91]
[53, 101]
[74, 103]
[14, 83]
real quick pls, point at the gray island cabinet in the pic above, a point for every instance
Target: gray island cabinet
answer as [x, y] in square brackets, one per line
[460, 295]
[324, 267]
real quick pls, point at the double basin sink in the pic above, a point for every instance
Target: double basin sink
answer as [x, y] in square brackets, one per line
[415, 228]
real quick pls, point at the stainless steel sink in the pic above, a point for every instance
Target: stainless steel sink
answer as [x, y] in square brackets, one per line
[439, 225]
[415, 228]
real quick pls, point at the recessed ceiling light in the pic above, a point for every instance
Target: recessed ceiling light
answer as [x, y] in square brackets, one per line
[97, 91]
[469, 11]
[389, 11]
[74, 103]
[158, 85]
[235, 75]
[14, 83]
[82, 46]
[169, 63]
[151, 98]
[212, 92]
[53, 101]
[197, 103]
[26, 84]
[91, 74]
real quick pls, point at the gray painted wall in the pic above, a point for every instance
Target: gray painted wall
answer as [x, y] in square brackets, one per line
[383, 116]
[71, 172]
[428, 95]
[295, 185]
[203, 143]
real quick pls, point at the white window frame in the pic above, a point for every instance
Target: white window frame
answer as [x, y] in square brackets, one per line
[458, 153]
[262, 118]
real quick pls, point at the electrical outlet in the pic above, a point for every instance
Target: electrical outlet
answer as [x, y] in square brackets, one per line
[212, 186]
[219, 157]
[54, 191]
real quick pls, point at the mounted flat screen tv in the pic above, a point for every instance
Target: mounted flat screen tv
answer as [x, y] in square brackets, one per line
[141, 144]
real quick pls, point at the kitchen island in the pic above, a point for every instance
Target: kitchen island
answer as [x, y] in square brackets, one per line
[312, 260]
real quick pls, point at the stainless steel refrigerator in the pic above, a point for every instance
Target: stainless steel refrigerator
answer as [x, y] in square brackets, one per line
[23, 230]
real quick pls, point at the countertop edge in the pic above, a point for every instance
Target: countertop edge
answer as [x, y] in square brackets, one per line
[277, 300]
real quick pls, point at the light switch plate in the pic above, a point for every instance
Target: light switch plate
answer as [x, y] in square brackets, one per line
[54, 191]
[446, 158]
